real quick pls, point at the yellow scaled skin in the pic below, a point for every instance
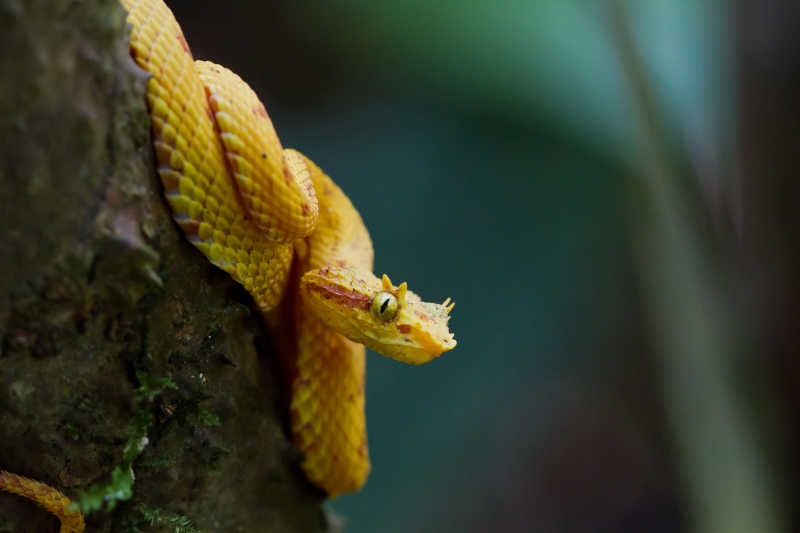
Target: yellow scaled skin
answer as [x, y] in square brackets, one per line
[47, 497]
[253, 208]
[327, 405]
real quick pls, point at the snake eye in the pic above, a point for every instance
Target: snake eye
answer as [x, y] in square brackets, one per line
[384, 306]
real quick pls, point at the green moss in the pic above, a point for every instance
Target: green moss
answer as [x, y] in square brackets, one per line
[150, 387]
[156, 463]
[120, 488]
[151, 517]
[207, 418]
[72, 431]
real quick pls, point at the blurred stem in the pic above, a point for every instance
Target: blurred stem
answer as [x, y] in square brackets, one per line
[726, 483]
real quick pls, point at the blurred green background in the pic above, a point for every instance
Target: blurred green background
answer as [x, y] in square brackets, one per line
[564, 170]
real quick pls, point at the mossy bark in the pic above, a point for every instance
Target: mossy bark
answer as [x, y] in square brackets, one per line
[98, 284]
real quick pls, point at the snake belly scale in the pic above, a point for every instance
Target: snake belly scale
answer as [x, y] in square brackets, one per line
[276, 223]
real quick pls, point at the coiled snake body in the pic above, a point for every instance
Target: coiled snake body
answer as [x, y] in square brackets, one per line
[253, 209]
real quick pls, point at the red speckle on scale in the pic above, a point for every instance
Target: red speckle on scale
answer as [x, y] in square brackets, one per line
[259, 111]
[362, 447]
[184, 44]
[425, 317]
[190, 227]
[404, 328]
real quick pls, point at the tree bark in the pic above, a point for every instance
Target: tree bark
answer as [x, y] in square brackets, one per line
[99, 290]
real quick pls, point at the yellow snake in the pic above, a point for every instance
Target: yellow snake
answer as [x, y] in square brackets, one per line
[283, 229]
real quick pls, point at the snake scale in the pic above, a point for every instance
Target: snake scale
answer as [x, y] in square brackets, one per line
[282, 228]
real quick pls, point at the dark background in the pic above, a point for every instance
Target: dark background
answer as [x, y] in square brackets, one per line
[608, 191]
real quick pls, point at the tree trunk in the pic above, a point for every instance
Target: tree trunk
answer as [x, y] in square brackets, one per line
[101, 299]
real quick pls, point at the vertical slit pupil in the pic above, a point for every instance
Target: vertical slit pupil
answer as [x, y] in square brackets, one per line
[384, 304]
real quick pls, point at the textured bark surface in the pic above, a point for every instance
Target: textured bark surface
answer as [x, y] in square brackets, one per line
[98, 284]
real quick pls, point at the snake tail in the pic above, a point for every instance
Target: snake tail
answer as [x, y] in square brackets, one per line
[51, 499]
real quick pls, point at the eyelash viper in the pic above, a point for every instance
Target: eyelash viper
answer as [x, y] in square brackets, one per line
[284, 230]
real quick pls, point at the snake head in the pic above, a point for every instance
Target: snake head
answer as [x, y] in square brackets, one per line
[387, 319]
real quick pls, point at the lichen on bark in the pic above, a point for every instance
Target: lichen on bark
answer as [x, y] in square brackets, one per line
[98, 284]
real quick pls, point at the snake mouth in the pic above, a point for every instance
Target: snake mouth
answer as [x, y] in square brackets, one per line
[423, 347]
[425, 333]
[430, 325]
[415, 347]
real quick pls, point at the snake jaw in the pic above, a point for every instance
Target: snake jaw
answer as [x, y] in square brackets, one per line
[341, 298]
